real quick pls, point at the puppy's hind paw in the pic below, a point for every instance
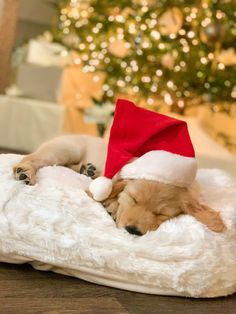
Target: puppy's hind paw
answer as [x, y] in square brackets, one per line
[24, 172]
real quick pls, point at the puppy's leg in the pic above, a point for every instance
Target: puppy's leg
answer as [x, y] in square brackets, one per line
[60, 151]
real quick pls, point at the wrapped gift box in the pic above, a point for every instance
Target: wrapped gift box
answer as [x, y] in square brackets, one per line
[78, 89]
[40, 82]
[26, 123]
[221, 126]
[46, 53]
[68, 86]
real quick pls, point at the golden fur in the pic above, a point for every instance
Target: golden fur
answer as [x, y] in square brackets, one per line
[137, 205]
[142, 205]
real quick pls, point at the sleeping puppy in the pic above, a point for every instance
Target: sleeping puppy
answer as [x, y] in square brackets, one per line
[142, 205]
[136, 205]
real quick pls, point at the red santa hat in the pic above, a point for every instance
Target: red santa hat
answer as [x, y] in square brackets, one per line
[146, 145]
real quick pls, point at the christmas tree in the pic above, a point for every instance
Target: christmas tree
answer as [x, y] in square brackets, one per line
[180, 51]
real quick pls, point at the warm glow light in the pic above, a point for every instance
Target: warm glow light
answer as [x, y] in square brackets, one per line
[159, 72]
[168, 100]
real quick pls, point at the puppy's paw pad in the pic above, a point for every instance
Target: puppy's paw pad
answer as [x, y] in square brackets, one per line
[91, 167]
[24, 172]
[18, 170]
[22, 176]
[88, 170]
[82, 170]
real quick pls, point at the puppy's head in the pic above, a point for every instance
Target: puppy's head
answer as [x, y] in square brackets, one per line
[142, 205]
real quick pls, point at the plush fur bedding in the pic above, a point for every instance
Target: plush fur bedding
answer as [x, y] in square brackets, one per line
[55, 226]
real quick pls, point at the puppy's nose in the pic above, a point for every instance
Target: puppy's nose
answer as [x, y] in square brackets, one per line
[133, 230]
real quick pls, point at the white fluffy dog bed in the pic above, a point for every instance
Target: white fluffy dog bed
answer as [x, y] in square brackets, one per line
[55, 226]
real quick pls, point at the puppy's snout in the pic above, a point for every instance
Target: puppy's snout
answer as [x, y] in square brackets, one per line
[133, 230]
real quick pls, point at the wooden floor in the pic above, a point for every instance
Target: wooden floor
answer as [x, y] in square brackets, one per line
[24, 290]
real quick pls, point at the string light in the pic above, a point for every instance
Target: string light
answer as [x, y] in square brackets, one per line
[82, 46]
[110, 93]
[150, 101]
[203, 60]
[120, 83]
[159, 72]
[156, 35]
[172, 36]
[190, 34]
[107, 60]
[168, 99]
[66, 30]
[123, 64]
[161, 46]
[186, 49]
[64, 53]
[136, 89]
[182, 32]
[77, 61]
[170, 84]
[233, 93]
[96, 78]
[180, 103]
[206, 21]
[143, 27]
[153, 88]
[189, 18]
[105, 87]
[146, 41]
[221, 66]
[146, 79]
[177, 68]
[89, 39]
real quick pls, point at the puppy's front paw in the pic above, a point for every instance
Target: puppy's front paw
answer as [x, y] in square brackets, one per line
[24, 172]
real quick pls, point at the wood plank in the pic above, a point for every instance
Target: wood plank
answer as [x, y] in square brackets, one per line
[53, 288]
[61, 305]
[22, 286]
[153, 304]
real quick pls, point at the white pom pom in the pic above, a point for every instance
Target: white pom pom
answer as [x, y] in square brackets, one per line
[100, 188]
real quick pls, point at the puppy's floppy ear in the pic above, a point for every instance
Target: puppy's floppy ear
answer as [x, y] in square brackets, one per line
[117, 188]
[204, 214]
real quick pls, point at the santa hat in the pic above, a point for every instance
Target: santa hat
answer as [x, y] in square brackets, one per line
[146, 145]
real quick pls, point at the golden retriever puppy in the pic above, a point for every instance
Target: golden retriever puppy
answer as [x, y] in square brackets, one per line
[142, 205]
[136, 205]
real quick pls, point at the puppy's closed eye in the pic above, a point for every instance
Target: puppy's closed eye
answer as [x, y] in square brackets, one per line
[133, 198]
